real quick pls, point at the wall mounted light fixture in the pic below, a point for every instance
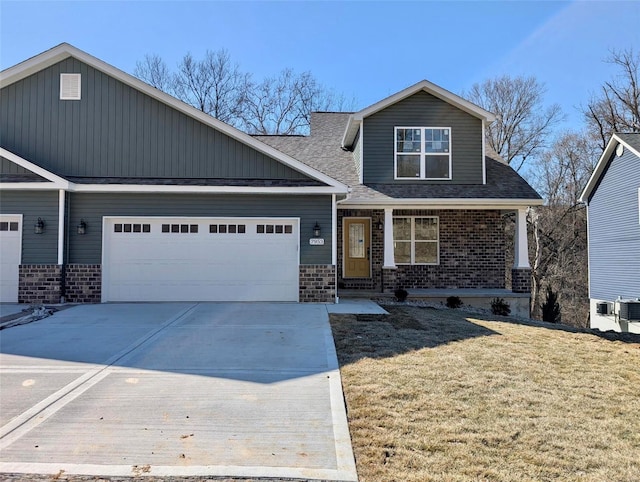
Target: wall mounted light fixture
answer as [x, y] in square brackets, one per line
[38, 228]
[316, 230]
[379, 225]
[82, 227]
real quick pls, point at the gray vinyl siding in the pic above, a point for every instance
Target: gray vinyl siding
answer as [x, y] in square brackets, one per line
[92, 207]
[422, 110]
[614, 231]
[8, 167]
[36, 248]
[118, 131]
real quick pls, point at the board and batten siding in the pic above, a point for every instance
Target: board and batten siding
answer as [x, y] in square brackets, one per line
[118, 131]
[422, 110]
[9, 167]
[87, 248]
[36, 248]
[614, 231]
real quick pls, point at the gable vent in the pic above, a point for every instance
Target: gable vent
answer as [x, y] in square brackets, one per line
[69, 86]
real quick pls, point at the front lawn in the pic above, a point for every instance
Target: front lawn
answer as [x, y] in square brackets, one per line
[441, 395]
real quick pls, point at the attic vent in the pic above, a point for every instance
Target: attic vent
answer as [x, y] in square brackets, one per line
[69, 86]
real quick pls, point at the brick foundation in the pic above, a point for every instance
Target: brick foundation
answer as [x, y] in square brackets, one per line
[83, 283]
[39, 283]
[318, 283]
[521, 280]
[472, 252]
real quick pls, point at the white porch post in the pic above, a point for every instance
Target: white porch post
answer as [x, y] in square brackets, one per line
[61, 195]
[389, 260]
[521, 245]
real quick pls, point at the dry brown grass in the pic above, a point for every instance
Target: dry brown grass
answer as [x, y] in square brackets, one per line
[433, 395]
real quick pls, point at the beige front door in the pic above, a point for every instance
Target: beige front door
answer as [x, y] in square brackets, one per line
[357, 247]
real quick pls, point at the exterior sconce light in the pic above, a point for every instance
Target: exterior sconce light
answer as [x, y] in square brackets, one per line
[38, 228]
[316, 230]
[82, 227]
[379, 225]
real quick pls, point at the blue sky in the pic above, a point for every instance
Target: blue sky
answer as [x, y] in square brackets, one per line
[365, 50]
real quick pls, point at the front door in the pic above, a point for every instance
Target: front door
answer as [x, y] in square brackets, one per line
[357, 247]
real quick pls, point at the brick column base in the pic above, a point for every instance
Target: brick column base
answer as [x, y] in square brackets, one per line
[83, 283]
[318, 283]
[390, 279]
[39, 283]
[521, 280]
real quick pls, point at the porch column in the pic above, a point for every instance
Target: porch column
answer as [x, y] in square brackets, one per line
[521, 272]
[389, 260]
[521, 244]
[61, 195]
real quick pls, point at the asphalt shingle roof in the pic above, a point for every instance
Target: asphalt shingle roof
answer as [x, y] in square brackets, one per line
[322, 151]
[633, 139]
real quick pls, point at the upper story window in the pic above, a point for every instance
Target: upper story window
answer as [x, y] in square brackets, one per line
[423, 153]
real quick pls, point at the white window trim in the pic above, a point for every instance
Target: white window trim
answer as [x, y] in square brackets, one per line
[423, 154]
[413, 241]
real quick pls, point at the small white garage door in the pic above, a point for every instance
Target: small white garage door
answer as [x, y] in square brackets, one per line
[197, 259]
[10, 254]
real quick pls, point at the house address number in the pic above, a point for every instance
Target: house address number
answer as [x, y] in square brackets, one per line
[316, 241]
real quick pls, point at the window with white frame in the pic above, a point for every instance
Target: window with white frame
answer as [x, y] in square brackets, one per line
[423, 152]
[416, 240]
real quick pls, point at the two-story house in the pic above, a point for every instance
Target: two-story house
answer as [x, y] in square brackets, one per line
[612, 196]
[111, 190]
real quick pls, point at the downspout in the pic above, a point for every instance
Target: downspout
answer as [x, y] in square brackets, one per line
[61, 239]
[334, 242]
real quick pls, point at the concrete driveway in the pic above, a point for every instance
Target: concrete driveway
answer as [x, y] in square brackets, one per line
[191, 389]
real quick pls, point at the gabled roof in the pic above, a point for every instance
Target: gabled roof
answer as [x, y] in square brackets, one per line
[65, 50]
[629, 141]
[504, 188]
[55, 181]
[424, 85]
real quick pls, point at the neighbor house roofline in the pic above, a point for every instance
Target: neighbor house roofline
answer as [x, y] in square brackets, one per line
[65, 50]
[356, 118]
[603, 162]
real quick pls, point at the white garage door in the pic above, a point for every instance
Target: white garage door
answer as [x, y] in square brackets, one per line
[10, 253]
[197, 259]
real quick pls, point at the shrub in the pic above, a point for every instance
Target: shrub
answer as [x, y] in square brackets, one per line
[551, 307]
[401, 294]
[500, 307]
[454, 302]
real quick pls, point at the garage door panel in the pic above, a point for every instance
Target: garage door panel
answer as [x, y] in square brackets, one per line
[169, 264]
[10, 256]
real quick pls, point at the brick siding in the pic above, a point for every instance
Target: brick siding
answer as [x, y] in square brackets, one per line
[39, 283]
[83, 283]
[472, 252]
[521, 280]
[317, 283]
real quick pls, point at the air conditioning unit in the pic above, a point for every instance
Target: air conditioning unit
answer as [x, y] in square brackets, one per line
[630, 310]
[602, 308]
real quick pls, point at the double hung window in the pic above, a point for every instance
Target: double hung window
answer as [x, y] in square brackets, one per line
[423, 153]
[416, 240]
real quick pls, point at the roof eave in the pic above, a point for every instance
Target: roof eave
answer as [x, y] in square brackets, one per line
[602, 165]
[442, 203]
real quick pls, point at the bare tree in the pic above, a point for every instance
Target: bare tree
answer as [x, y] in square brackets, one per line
[523, 124]
[283, 104]
[153, 70]
[617, 107]
[558, 229]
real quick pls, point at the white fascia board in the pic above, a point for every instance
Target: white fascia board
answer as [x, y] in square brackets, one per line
[350, 131]
[58, 182]
[602, 165]
[29, 186]
[155, 188]
[439, 203]
[64, 50]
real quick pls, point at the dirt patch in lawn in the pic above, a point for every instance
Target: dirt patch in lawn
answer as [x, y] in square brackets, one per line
[438, 395]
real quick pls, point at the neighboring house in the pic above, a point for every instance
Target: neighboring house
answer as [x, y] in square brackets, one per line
[114, 191]
[612, 196]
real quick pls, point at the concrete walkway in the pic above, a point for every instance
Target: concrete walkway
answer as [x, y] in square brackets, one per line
[191, 389]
